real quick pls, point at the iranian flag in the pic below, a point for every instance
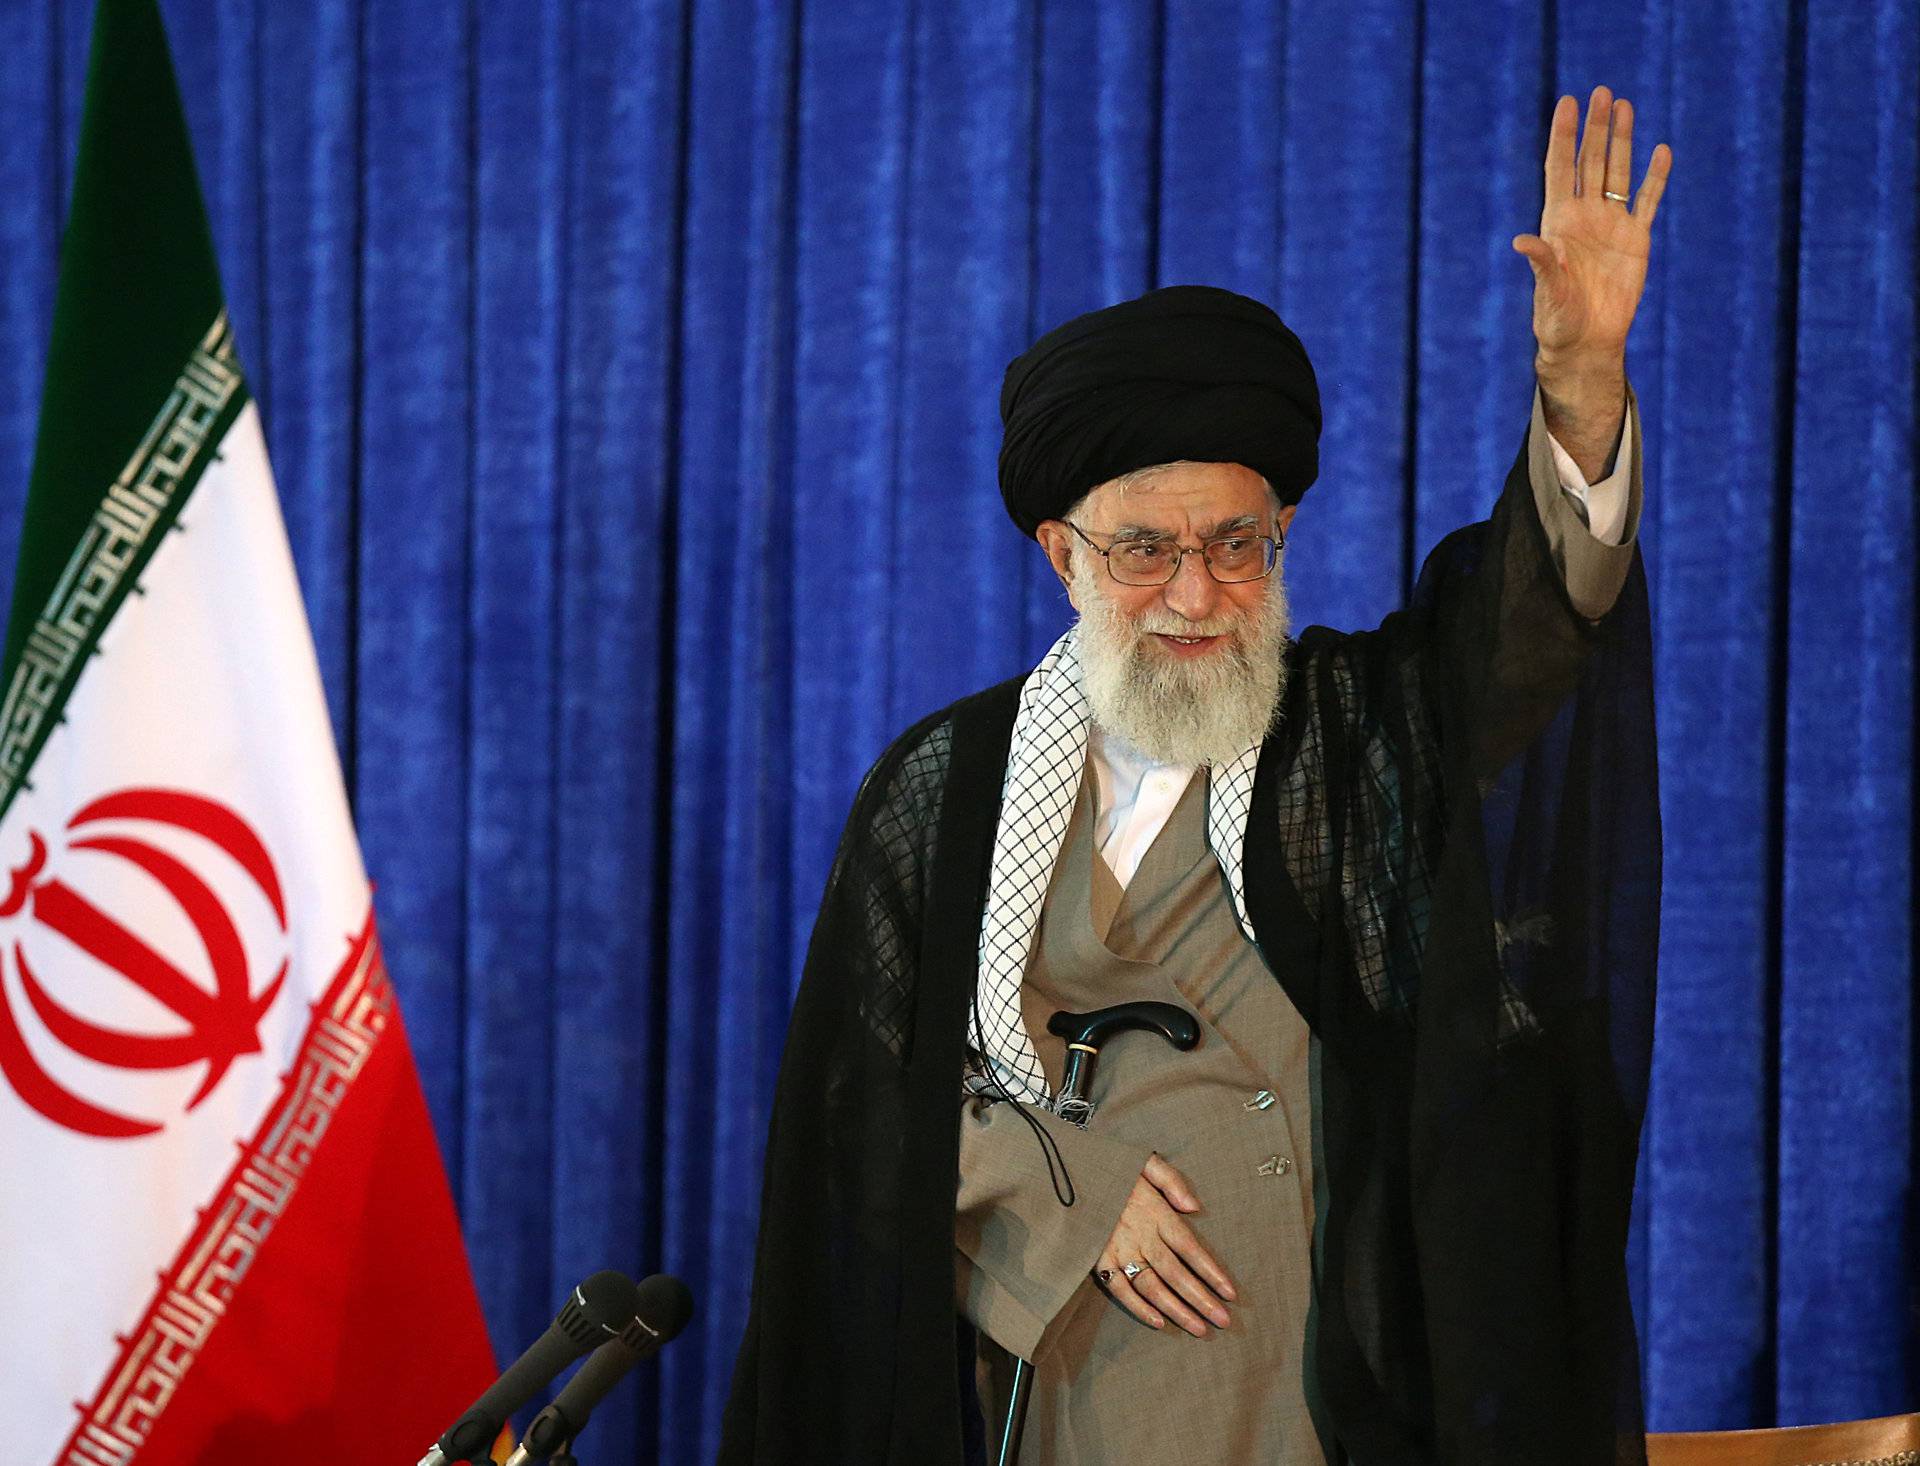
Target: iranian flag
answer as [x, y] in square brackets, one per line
[225, 1232]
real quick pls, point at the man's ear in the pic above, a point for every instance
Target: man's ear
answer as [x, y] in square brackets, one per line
[1284, 517]
[1056, 542]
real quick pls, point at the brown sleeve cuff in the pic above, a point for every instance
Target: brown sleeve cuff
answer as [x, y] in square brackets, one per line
[1592, 572]
[1021, 1254]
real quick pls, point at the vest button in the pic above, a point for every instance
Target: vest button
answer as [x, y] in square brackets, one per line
[1277, 1165]
[1264, 1100]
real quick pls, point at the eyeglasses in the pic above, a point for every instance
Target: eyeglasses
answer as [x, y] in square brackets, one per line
[1230, 559]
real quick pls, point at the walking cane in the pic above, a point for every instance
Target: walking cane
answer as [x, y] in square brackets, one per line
[1086, 1034]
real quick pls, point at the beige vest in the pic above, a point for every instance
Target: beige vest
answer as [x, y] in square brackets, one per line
[1232, 1115]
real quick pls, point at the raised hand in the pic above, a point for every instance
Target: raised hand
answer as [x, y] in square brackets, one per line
[1589, 266]
[1176, 1277]
[1590, 257]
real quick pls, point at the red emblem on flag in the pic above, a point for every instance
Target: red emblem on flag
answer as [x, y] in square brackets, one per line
[219, 1015]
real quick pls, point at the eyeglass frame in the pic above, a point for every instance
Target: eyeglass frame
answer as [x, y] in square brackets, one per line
[1275, 543]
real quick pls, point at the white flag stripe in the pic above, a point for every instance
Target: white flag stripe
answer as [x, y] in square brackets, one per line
[205, 682]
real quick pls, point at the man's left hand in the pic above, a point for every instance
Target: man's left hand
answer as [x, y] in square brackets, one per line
[1589, 266]
[1590, 257]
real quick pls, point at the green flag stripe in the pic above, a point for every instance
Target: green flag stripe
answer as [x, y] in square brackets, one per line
[138, 287]
[127, 525]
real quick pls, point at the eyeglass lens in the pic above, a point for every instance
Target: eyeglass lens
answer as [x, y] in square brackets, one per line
[1154, 562]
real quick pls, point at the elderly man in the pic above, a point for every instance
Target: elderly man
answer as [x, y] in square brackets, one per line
[1403, 881]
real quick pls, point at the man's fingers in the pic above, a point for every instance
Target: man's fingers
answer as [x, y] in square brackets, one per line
[1122, 1291]
[1182, 1282]
[1593, 143]
[1159, 1294]
[1538, 252]
[1620, 150]
[1170, 1183]
[1566, 114]
[1188, 1247]
[1187, 1287]
[1647, 202]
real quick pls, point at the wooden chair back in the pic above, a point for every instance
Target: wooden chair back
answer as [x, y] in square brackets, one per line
[1891, 1440]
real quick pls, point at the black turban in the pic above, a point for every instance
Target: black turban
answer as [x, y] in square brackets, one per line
[1190, 372]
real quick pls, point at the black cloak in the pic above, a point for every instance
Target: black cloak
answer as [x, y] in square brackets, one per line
[1452, 865]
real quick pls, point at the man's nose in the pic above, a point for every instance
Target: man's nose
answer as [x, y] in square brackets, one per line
[1192, 592]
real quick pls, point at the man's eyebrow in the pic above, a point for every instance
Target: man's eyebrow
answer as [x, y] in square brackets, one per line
[1239, 523]
[1236, 525]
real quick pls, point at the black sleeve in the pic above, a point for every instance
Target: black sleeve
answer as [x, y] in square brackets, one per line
[816, 1359]
[1454, 867]
[852, 1350]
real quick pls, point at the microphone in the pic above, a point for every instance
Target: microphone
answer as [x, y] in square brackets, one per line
[595, 1311]
[665, 1307]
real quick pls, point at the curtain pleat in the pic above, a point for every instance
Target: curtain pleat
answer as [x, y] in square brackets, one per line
[1481, 96]
[1093, 192]
[624, 98]
[631, 372]
[1718, 467]
[1846, 1213]
[964, 305]
[1222, 143]
[413, 462]
[1346, 237]
[305, 362]
[853, 125]
[728, 951]
[509, 101]
[34, 159]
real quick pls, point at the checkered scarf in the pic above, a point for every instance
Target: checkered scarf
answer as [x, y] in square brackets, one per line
[1044, 769]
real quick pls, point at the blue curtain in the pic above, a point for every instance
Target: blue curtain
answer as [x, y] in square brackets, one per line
[630, 372]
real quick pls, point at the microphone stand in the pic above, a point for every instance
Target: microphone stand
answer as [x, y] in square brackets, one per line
[562, 1454]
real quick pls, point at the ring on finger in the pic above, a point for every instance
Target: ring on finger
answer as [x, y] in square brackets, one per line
[1618, 198]
[1134, 1269]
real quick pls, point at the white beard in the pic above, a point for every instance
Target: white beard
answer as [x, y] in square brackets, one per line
[1205, 711]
